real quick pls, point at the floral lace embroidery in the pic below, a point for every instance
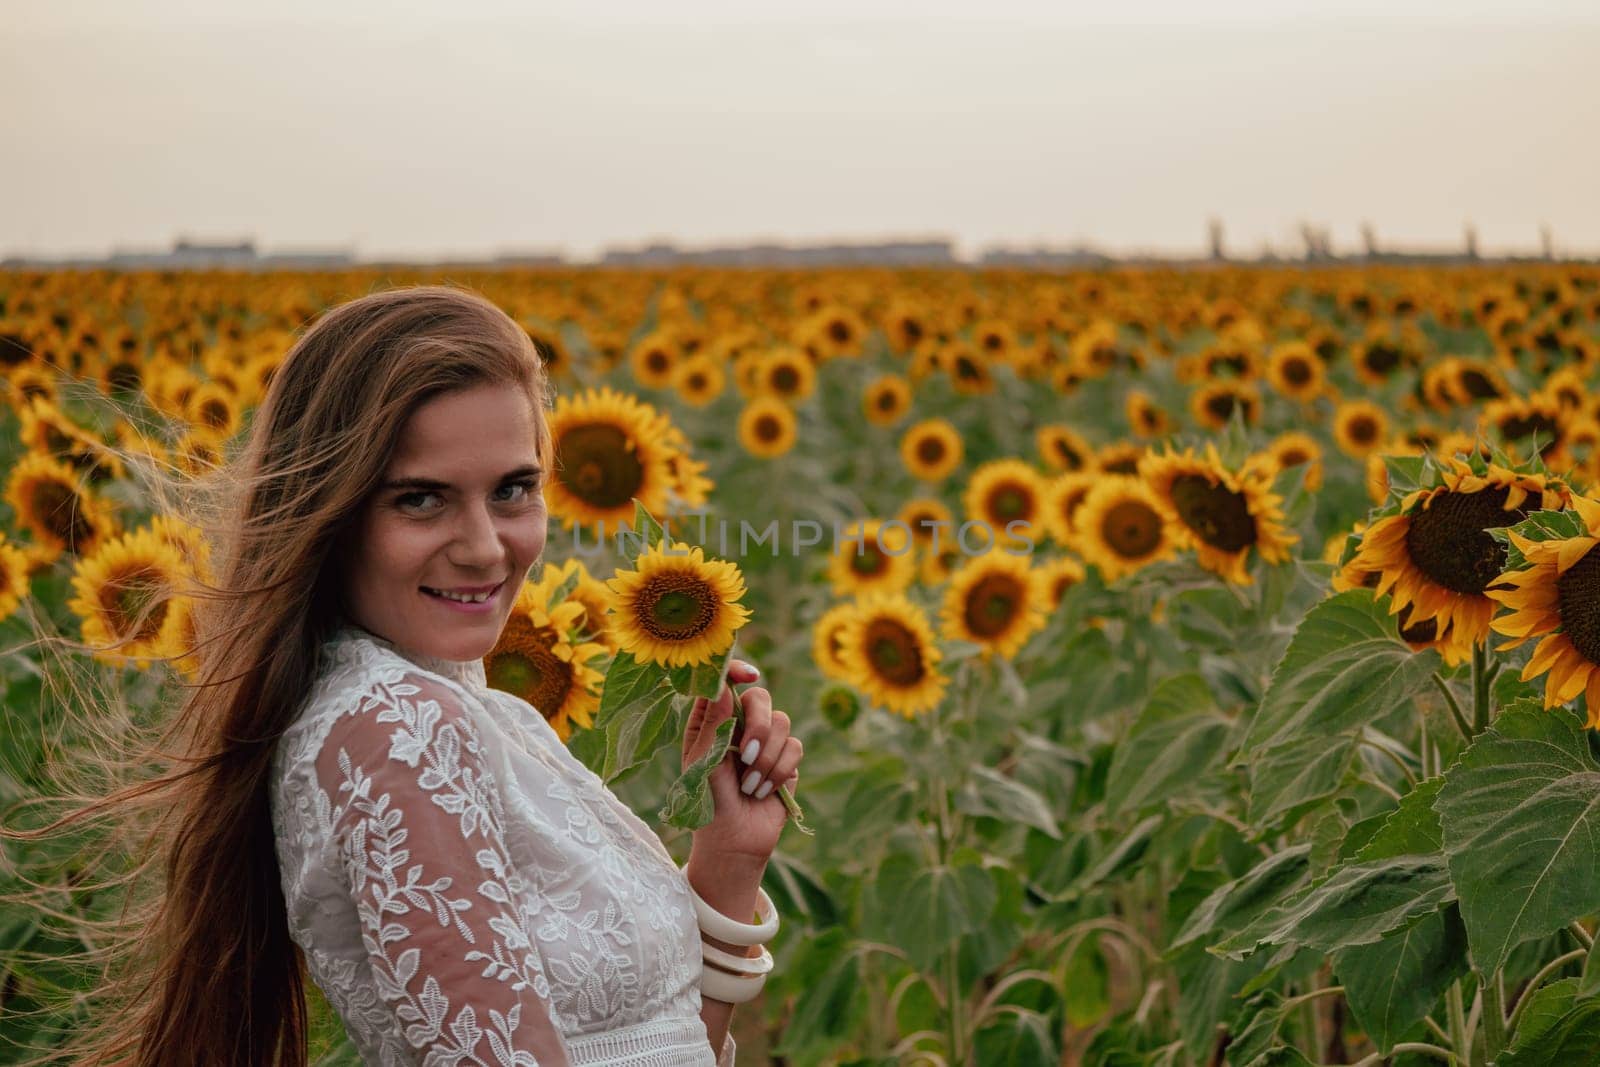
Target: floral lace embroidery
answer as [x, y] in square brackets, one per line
[465, 891]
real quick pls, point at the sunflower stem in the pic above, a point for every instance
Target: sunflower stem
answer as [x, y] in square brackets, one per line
[1494, 1016]
[1456, 1016]
[1455, 707]
[1481, 702]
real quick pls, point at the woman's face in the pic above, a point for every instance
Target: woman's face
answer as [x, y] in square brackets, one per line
[440, 551]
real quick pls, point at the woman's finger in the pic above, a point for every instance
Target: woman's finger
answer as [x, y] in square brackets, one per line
[784, 769]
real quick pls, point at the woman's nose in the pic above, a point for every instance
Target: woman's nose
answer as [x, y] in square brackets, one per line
[478, 541]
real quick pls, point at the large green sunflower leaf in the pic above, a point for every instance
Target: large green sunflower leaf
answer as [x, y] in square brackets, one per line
[1345, 668]
[1393, 983]
[1234, 905]
[1520, 811]
[1174, 741]
[1557, 1027]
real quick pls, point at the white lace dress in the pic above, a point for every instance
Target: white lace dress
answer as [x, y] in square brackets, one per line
[464, 890]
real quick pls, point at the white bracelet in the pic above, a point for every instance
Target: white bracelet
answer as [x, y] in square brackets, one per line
[719, 926]
[730, 988]
[741, 965]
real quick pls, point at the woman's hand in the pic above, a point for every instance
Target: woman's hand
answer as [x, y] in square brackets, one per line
[745, 825]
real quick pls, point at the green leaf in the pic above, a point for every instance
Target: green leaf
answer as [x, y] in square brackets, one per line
[689, 803]
[1413, 827]
[1357, 905]
[826, 973]
[1087, 980]
[1345, 668]
[1571, 1038]
[1023, 1038]
[1589, 985]
[1392, 984]
[645, 526]
[1173, 742]
[1520, 811]
[1231, 907]
[1124, 854]
[1292, 776]
[936, 907]
[989, 793]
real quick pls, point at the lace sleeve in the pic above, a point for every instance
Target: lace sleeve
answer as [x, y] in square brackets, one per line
[420, 830]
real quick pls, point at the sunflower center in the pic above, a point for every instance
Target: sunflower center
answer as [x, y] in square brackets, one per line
[1447, 542]
[839, 331]
[598, 466]
[1221, 404]
[930, 450]
[1578, 592]
[57, 508]
[869, 562]
[886, 401]
[135, 603]
[1477, 385]
[1383, 358]
[1218, 515]
[1534, 423]
[1131, 529]
[533, 672]
[893, 653]
[992, 604]
[676, 607]
[1296, 372]
[785, 379]
[768, 429]
[1010, 501]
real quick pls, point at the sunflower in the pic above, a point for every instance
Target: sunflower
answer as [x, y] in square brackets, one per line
[1219, 513]
[1294, 370]
[1473, 381]
[905, 325]
[927, 519]
[937, 565]
[1120, 527]
[14, 579]
[1435, 553]
[31, 381]
[1120, 457]
[1057, 576]
[56, 508]
[1360, 428]
[970, 370]
[1004, 492]
[213, 409]
[877, 556]
[1214, 403]
[995, 601]
[1378, 358]
[767, 427]
[826, 646]
[1295, 449]
[931, 449]
[1536, 425]
[677, 608]
[699, 380]
[609, 449]
[1063, 497]
[1557, 599]
[197, 454]
[1145, 416]
[122, 590]
[1063, 450]
[186, 539]
[654, 359]
[536, 659]
[584, 590]
[888, 649]
[787, 373]
[1421, 635]
[886, 400]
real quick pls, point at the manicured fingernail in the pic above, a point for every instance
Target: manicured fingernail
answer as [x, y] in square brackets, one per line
[750, 781]
[752, 749]
[766, 787]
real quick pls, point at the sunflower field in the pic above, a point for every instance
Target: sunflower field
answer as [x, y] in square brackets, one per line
[1195, 668]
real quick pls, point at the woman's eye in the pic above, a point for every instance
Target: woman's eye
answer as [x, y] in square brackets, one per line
[412, 501]
[518, 492]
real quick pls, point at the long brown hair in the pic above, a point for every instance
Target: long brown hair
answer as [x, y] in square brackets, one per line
[201, 968]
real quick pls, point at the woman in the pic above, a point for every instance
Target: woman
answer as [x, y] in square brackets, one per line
[461, 888]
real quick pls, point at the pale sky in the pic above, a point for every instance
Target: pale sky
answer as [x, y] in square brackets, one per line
[485, 126]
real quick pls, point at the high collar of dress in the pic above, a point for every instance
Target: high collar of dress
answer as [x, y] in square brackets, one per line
[468, 672]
